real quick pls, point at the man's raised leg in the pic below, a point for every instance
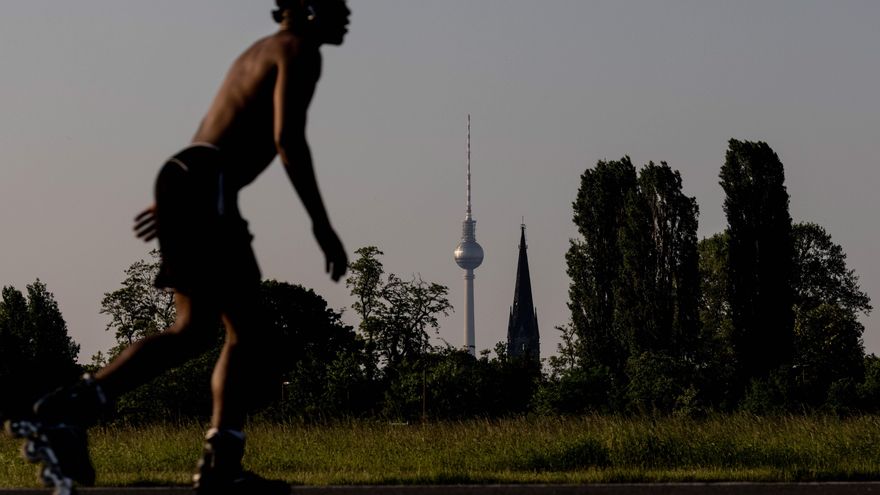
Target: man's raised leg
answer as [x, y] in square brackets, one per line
[195, 323]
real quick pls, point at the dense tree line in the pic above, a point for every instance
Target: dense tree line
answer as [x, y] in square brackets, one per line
[323, 368]
[762, 317]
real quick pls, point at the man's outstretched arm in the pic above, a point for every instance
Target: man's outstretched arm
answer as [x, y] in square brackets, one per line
[293, 93]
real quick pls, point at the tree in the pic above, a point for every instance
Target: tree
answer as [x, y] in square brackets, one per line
[37, 352]
[138, 309]
[396, 314]
[828, 349]
[657, 293]
[13, 339]
[716, 359]
[594, 263]
[656, 382]
[714, 306]
[366, 286]
[829, 352]
[411, 310]
[821, 275]
[657, 296]
[760, 258]
[570, 386]
[318, 359]
[306, 346]
[634, 272]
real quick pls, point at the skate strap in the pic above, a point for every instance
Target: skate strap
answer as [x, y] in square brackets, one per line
[235, 433]
[94, 385]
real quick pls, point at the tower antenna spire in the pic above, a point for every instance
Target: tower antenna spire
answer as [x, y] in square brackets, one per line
[469, 166]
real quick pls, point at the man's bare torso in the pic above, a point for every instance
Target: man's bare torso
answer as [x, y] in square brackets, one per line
[241, 119]
[260, 113]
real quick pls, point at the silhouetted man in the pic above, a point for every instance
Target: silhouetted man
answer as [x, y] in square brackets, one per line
[259, 112]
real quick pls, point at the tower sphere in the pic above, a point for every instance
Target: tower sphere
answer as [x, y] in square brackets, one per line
[468, 254]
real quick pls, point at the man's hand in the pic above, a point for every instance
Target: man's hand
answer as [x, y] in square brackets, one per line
[146, 224]
[336, 261]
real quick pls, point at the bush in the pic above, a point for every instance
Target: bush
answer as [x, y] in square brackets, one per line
[768, 396]
[575, 391]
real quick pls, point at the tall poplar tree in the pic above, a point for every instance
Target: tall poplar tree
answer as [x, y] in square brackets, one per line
[594, 262]
[760, 258]
[659, 289]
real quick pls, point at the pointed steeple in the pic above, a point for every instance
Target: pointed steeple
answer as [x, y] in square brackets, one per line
[523, 338]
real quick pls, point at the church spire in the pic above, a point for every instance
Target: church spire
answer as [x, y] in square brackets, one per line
[523, 338]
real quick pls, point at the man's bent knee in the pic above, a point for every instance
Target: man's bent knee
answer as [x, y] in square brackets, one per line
[194, 331]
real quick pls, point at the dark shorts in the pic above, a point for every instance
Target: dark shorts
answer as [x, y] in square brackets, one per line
[204, 241]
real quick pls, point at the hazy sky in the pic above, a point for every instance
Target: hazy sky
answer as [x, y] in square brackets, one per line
[95, 94]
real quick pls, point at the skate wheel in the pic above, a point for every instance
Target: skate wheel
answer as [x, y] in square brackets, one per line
[20, 429]
[53, 478]
[30, 452]
[64, 490]
[45, 476]
[11, 428]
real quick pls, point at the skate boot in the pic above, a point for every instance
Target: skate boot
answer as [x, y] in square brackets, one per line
[56, 437]
[80, 404]
[61, 450]
[219, 471]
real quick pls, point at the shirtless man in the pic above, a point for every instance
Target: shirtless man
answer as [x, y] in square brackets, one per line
[259, 112]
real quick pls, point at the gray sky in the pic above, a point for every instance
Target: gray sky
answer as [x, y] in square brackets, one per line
[95, 94]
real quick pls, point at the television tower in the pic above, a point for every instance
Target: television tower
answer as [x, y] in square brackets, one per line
[469, 255]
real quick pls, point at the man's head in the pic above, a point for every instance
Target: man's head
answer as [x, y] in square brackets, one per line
[325, 20]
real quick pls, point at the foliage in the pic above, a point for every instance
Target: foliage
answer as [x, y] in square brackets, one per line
[760, 258]
[576, 390]
[762, 317]
[771, 394]
[138, 309]
[396, 314]
[829, 355]
[594, 262]
[827, 363]
[311, 361]
[656, 382]
[318, 358]
[452, 384]
[714, 305]
[418, 379]
[36, 352]
[634, 290]
[868, 391]
[178, 394]
[312, 366]
[656, 299]
[716, 360]
[828, 349]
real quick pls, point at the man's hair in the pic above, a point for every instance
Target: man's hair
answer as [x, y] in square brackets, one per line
[284, 5]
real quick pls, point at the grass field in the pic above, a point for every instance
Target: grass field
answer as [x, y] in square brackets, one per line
[546, 450]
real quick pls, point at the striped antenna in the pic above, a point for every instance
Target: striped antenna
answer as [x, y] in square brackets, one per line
[469, 166]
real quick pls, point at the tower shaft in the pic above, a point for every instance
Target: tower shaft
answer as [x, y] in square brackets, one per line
[469, 332]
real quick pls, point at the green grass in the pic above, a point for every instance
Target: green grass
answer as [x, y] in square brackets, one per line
[546, 450]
